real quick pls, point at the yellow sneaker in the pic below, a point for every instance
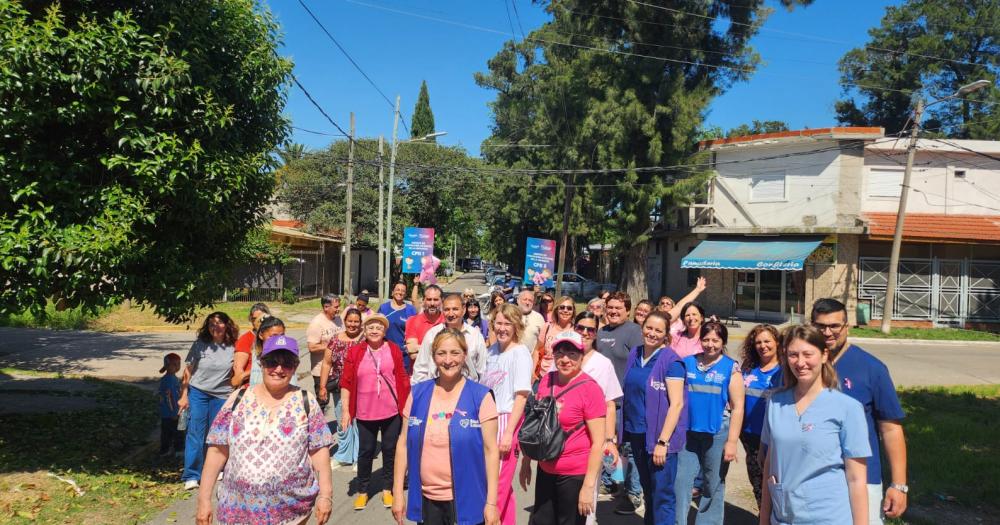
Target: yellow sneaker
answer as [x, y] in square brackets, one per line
[361, 502]
[387, 499]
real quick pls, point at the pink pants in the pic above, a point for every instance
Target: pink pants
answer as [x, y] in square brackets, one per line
[506, 503]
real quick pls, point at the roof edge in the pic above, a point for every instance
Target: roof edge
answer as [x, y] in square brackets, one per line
[854, 132]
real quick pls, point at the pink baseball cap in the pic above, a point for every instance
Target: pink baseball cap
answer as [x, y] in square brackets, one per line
[568, 337]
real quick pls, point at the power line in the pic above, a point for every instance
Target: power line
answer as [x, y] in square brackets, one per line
[353, 62]
[517, 15]
[970, 150]
[744, 70]
[804, 35]
[304, 130]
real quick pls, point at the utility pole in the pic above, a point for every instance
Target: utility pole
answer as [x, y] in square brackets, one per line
[897, 237]
[382, 292]
[392, 182]
[567, 207]
[350, 203]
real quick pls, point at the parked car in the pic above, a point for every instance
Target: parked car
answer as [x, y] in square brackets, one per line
[577, 285]
[496, 285]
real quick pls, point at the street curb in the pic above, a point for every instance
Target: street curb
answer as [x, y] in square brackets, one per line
[924, 342]
[175, 329]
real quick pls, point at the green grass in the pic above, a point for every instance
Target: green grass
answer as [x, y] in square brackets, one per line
[953, 445]
[102, 450]
[935, 334]
[70, 319]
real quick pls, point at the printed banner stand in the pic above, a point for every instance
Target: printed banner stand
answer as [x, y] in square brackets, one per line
[418, 253]
[540, 262]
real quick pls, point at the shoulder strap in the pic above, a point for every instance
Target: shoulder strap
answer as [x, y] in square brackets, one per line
[552, 385]
[305, 400]
[239, 397]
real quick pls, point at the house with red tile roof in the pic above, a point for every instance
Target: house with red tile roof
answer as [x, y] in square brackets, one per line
[795, 216]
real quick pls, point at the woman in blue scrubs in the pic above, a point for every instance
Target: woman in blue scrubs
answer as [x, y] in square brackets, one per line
[817, 440]
[715, 416]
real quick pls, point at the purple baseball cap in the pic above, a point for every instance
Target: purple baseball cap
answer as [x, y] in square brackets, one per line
[280, 342]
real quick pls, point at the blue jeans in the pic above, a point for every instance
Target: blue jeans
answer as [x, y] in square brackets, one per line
[203, 409]
[632, 485]
[657, 482]
[702, 453]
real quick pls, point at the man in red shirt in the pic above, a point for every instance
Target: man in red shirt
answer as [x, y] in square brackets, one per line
[419, 324]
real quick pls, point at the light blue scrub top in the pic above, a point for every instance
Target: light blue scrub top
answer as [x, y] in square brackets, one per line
[807, 456]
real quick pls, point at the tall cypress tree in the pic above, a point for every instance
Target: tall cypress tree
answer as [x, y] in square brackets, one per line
[422, 123]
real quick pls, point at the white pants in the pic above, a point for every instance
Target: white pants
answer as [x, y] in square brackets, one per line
[875, 504]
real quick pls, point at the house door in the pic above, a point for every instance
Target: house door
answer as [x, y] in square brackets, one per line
[760, 294]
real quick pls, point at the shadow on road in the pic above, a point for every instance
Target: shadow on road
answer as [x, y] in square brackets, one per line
[76, 352]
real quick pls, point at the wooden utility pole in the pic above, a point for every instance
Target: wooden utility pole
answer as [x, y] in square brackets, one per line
[567, 208]
[897, 236]
[392, 181]
[350, 204]
[382, 291]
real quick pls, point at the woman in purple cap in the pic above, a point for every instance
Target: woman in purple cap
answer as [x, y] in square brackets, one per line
[273, 441]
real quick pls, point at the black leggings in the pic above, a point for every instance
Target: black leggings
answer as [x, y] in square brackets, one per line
[751, 443]
[368, 432]
[556, 500]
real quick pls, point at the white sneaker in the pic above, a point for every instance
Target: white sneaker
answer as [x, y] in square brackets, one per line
[191, 484]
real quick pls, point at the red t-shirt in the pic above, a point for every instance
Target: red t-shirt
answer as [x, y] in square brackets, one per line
[245, 345]
[583, 403]
[418, 325]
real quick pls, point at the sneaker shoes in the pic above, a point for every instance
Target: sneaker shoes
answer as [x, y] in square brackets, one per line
[607, 492]
[387, 499]
[361, 501]
[191, 484]
[640, 506]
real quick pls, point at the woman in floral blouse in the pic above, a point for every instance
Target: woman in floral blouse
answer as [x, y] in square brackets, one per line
[273, 441]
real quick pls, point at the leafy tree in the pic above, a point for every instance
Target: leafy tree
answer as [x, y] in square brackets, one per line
[611, 84]
[435, 187]
[931, 46]
[422, 122]
[757, 127]
[136, 142]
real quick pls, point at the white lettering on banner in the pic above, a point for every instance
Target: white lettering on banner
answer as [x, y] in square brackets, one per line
[779, 265]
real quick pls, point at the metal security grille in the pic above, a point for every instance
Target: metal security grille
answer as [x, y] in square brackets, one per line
[946, 291]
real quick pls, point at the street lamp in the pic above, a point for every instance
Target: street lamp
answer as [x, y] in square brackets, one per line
[897, 237]
[392, 181]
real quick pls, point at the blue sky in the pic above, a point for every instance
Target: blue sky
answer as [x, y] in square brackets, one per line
[797, 82]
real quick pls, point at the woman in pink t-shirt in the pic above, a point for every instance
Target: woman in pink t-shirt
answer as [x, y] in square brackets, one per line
[565, 487]
[688, 316]
[374, 387]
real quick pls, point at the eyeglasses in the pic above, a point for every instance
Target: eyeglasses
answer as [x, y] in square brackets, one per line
[573, 354]
[565, 308]
[834, 329]
[585, 329]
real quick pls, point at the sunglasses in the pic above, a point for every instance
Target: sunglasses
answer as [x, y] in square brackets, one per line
[546, 301]
[288, 362]
[585, 329]
[565, 308]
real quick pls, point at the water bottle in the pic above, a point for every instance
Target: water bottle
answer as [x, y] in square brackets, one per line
[182, 420]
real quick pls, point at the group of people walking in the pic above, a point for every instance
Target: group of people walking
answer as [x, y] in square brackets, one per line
[446, 386]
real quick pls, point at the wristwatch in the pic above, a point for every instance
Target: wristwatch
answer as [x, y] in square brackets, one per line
[612, 440]
[661, 442]
[900, 487]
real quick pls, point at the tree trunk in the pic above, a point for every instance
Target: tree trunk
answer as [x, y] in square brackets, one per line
[633, 276]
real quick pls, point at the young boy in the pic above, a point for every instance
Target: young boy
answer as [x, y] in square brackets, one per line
[169, 392]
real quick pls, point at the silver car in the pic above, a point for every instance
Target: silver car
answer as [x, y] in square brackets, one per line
[577, 285]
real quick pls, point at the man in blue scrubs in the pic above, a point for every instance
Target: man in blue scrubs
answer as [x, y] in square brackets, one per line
[866, 379]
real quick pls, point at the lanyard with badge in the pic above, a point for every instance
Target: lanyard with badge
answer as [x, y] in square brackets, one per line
[380, 378]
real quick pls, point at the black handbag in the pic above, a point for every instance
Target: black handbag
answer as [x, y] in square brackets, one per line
[541, 436]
